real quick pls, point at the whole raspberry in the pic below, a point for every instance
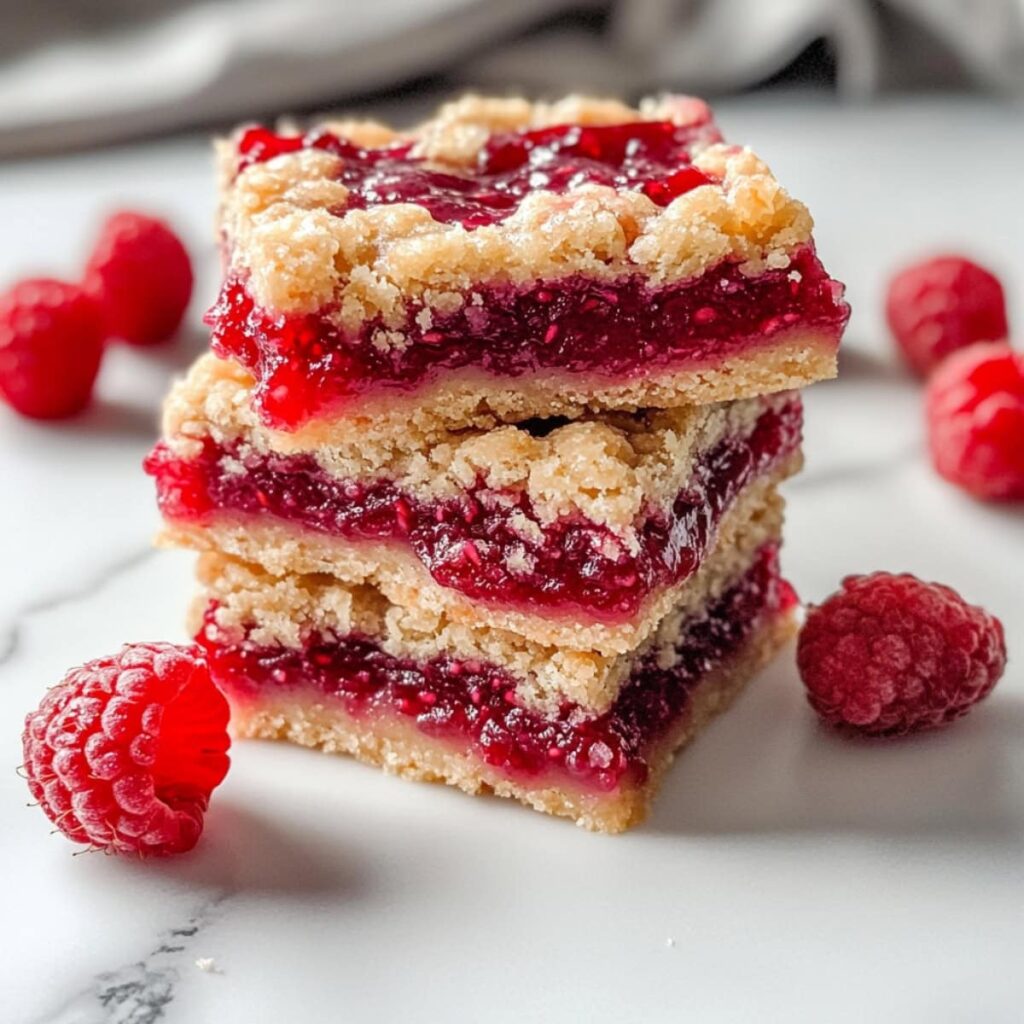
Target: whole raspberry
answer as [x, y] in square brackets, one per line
[142, 276]
[125, 752]
[944, 304]
[51, 343]
[888, 655]
[975, 414]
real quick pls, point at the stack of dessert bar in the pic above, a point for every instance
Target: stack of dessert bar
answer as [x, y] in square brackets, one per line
[484, 465]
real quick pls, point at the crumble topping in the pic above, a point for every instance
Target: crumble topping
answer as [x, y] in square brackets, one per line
[298, 256]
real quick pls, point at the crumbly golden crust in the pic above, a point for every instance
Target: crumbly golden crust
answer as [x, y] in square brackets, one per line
[298, 256]
[398, 603]
[401, 749]
[612, 471]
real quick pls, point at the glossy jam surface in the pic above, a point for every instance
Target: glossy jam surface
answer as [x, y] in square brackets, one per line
[470, 543]
[474, 705]
[307, 366]
[653, 157]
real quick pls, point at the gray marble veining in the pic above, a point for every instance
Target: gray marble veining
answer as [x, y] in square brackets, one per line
[141, 991]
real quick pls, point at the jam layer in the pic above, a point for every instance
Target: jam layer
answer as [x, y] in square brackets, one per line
[475, 543]
[473, 706]
[652, 157]
[308, 366]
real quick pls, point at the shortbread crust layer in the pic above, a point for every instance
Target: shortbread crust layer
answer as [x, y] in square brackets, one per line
[459, 721]
[626, 249]
[462, 400]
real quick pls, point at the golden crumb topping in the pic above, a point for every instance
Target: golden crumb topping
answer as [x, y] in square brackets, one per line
[281, 218]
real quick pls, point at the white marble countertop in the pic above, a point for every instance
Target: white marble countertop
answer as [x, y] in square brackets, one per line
[785, 875]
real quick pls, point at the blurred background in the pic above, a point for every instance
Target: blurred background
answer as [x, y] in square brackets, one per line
[79, 72]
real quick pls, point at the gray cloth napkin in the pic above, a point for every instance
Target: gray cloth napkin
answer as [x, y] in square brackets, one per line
[76, 72]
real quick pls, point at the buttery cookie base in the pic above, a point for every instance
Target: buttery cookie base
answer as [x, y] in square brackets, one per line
[469, 400]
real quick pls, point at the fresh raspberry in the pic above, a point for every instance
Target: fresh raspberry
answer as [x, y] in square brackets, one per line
[124, 753]
[944, 304]
[975, 414]
[142, 275]
[889, 655]
[51, 343]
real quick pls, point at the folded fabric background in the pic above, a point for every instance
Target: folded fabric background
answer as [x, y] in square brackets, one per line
[75, 73]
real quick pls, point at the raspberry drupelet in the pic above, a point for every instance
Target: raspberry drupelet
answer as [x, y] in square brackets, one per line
[891, 654]
[124, 753]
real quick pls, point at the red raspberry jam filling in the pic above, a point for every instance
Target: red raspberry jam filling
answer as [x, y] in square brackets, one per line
[469, 543]
[307, 366]
[653, 157]
[472, 704]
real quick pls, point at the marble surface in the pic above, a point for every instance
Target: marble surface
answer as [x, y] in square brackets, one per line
[785, 875]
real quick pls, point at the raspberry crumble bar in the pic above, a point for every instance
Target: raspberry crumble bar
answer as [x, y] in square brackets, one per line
[483, 469]
[308, 659]
[570, 533]
[509, 260]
